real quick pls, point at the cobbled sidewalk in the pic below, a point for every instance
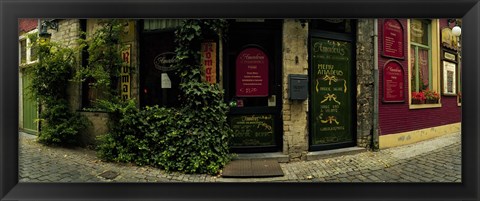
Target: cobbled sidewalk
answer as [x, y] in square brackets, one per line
[435, 160]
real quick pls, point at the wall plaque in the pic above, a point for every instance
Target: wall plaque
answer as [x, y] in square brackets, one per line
[393, 39]
[393, 82]
[450, 56]
[252, 73]
[449, 78]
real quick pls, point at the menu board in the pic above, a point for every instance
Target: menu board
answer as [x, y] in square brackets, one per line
[393, 82]
[332, 95]
[393, 39]
[252, 130]
[252, 73]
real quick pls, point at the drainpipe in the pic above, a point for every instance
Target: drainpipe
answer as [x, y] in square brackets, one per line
[375, 145]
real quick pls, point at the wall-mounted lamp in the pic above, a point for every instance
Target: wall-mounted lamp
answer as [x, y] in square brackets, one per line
[45, 25]
[456, 30]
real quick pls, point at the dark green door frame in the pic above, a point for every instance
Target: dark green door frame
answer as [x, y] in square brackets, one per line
[331, 142]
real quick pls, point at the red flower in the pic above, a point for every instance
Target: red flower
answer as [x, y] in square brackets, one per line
[431, 95]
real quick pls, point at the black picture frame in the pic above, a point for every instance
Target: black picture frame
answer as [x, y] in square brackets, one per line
[11, 11]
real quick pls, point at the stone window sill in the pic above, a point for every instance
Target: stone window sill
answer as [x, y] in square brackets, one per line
[425, 106]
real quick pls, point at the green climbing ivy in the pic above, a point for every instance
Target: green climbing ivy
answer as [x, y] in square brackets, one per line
[104, 62]
[193, 138]
[55, 68]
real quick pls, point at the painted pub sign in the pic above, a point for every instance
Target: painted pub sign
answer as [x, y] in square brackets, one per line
[125, 73]
[392, 39]
[393, 82]
[209, 61]
[252, 73]
[331, 95]
[253, 130]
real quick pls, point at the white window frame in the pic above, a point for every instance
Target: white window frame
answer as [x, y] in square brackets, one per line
[28, 48]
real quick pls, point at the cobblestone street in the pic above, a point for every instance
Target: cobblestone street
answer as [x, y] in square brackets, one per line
[436, 160]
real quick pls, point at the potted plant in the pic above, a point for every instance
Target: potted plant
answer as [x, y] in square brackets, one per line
[431, 97]
[418, 98]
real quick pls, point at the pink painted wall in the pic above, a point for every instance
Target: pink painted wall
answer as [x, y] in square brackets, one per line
[397, 117]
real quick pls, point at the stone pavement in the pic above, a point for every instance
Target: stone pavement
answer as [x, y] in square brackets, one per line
[436, 160]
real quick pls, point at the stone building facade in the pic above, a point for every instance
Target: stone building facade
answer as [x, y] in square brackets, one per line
[294, 42]
[290, 46]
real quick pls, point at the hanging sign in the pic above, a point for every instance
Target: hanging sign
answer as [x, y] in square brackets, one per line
[125, 73]
[209, 62]
[393, 39]
[252, 73]
[448, 39]
[393, 82]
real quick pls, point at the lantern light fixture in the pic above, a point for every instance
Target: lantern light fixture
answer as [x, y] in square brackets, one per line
[45, 25]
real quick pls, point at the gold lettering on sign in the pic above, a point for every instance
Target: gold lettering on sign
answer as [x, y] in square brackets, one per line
[330, 120]
[209, 62]
[125, 73]
[330, 97]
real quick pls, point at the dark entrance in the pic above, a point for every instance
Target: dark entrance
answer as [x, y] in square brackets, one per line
[158, 82]
[252, 82]
[332, 84]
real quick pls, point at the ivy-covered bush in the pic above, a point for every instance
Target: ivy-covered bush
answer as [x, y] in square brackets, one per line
[135, 135]
[50, 75]
[193, 138]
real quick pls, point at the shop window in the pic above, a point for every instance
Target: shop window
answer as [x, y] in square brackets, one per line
[423, 63]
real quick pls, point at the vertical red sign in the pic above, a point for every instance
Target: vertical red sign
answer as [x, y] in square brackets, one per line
[393, 84]
[393, 39]
[252, 73]
[209, 62]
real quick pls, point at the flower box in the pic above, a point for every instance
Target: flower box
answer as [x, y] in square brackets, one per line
[431, 101]
[416, 101]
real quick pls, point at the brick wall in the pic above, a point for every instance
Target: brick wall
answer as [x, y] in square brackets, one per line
[26, 25]
[397, 117]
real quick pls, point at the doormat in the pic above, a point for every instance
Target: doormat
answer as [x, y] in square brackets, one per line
[253, 168]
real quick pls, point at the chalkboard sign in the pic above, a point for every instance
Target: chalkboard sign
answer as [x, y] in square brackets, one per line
[252, 130]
